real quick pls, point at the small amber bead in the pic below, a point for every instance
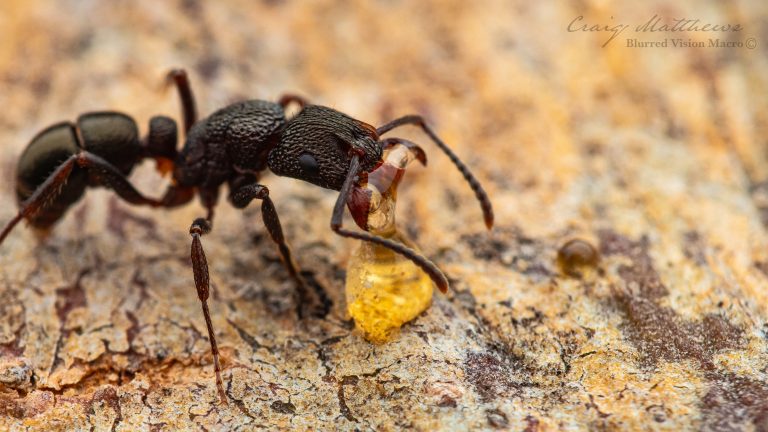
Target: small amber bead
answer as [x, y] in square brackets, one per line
[575, 254]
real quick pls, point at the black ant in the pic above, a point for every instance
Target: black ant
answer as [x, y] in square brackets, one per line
[234, 145]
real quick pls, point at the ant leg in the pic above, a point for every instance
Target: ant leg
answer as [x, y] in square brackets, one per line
[202, 283]
[240, 199]
[188, 107]
[44, 194]
[177, 196]
[417, 120]
[428, 266]
[287, 98]
[9, 226]
[105, 174]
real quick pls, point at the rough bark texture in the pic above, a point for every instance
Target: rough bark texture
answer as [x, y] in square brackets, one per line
[657, 156]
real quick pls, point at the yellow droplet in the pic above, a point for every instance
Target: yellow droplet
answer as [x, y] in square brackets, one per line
[384, 290]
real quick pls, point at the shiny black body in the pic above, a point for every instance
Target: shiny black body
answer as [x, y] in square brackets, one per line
[247, 137]
[329, 138]
[110, 135]
[232, 146]
[233, 140]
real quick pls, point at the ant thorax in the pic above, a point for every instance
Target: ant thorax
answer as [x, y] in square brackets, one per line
[384, 290]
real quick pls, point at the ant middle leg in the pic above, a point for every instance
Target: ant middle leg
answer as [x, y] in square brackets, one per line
[202, 283]
[201, 226]
[306, 304]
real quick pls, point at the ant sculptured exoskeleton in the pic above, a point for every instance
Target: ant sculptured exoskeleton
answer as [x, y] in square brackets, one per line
[234, 145]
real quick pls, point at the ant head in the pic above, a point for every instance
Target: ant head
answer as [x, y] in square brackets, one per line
[318, 144]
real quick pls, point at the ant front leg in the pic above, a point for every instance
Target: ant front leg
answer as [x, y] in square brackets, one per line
[105, 174]
[426, 265]
[240, 199]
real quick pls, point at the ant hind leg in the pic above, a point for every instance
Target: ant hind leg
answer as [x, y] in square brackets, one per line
[99, 169]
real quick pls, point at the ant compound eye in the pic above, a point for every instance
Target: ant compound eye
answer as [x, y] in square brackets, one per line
[309, 165]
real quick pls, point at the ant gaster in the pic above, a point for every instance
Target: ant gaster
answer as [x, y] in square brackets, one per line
[234, 145]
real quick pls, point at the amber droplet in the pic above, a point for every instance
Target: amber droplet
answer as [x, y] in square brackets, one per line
[385, 290]
[576, 254]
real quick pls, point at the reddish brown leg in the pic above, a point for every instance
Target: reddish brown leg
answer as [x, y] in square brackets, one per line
[104, 172]
[305, 303]
[188, 107]
[44, 194]
[336, 222]
[177, 195]
[9, 226]
[109, 176]
[417, 120]
[202, 283]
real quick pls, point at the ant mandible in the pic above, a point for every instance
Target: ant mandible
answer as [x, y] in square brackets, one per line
[233, 145]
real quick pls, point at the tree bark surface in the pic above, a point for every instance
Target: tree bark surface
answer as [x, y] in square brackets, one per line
[656, 156]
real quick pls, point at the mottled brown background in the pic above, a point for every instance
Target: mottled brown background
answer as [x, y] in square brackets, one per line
[657, 156]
